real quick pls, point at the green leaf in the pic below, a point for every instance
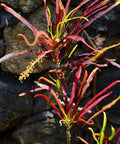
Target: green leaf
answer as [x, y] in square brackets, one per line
[72, 51]
[112, 133]
[52, 78]
[103, 128]
[93, 133]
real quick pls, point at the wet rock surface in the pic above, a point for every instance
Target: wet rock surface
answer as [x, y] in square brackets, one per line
[25, 5]
[108, 76]
[43, 131]
[6, 19]
[12, 107]
[109, 23]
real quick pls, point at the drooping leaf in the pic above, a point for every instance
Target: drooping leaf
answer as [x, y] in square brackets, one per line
[47, 80]
[93, 134]
[47, 99]
[78, 38]
[31, 91]
[23, 20]
[13, 54]
[18, 16]
[53, 93]
[41, 34]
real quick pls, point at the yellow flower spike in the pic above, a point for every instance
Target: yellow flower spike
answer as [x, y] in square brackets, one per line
[29, 69]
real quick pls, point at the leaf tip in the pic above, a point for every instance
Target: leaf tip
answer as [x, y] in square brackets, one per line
[3, 5]
[21, 94]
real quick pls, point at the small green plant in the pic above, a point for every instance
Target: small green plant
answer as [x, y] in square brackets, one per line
[100, 138]
[56, 46]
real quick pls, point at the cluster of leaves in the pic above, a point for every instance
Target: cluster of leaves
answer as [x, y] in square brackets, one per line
[56, 46]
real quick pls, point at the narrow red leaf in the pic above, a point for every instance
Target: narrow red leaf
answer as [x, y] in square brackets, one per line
[99, 94]
[13, 54]
[62, 11]
[112, 62]
[118, 142]
[58, 56]
[47, 99]
[43, 35]
[18, 16]
[117, 132]
[93, 3]
[64, 90]
[57, 11]
[23, 20]
[78, 38]
[94, 104]
[82, 83]
[74, 87]
[95, 7]
[53, 93]
[47, 15]
[87, 63]
[79, 91]
[47, 80]
[104, 108]
[67, 6]
[80, 5]
[87, 84]
[31, 91]
[41, 53]
[99, 15]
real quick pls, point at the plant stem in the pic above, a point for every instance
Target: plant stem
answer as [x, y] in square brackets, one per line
[68, 135]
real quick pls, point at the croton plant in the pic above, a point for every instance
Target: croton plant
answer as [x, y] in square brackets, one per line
[70, 69]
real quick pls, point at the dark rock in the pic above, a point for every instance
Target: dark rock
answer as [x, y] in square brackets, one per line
[72, 2]
[107, 76]
[40, 116]
[12, 107]
[6, 137]
[25, 5]
[47, 131]
[2, 47]
[40, 104]
[6, 19]
[109, 23]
